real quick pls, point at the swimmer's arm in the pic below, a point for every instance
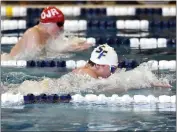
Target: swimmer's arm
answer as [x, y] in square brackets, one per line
[77, 44]
[161, 85]
[30, 38]
[75, 48]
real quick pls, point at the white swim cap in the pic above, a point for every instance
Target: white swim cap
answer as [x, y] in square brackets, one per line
[104, 55]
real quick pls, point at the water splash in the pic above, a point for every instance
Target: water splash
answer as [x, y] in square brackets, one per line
[16, 77]
[58, 47]
[53, 48]
[69, 83]
[12, 80]
[140, 77]
[121, 81]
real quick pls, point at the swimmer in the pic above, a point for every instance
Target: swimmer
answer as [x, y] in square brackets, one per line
[103, 63]
[100, 74]
[35, 38]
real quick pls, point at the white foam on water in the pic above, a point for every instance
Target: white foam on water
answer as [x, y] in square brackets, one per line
[138, 78]
[11, 100]
[77, 84]
[122, 80]
[55, 46]
[69, 83]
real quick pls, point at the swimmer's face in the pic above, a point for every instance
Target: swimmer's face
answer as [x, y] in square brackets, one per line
[103, 71]
[55, 29]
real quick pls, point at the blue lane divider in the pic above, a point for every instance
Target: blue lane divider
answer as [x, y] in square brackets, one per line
[90, 12]
[46, 63]
[103, 25]
[149, 11]
[33, 16]
[110, 40]
[128, 64]
[113, 41]
[17, 31]
[162, 24]
[96, 24]
[125, 41]
[44, 98]
[171, 43]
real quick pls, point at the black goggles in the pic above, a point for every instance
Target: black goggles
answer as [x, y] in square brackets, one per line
[113, 69]
[60, 24]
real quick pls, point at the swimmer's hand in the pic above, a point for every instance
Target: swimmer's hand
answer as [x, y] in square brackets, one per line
[79, 44]
[79, 47]
[161, 85]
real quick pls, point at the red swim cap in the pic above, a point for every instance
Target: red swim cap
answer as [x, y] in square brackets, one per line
[52, 14]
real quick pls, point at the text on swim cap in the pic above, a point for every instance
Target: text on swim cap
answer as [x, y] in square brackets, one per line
[49, 13]
[101, 52]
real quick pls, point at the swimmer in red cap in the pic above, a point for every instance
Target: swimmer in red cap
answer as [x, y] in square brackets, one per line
[50, 26]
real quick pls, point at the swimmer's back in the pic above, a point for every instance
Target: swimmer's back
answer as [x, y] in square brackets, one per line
[29, 40]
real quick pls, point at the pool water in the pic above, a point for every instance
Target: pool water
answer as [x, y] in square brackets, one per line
[85, 117]
[91, 116]
[75, 117]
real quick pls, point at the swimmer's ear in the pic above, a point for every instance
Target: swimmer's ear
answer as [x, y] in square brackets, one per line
[97, 66]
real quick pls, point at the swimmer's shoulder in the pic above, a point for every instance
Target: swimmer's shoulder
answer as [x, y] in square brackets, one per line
[33, 35]
[85, 70]
[33, 31]
[29, 33]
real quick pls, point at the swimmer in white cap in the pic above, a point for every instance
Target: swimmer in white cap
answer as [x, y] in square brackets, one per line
[100, 69]
[51, 24]
[104, 62]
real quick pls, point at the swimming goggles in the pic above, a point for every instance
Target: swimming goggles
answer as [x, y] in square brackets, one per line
[60, 24]
[113, 69]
